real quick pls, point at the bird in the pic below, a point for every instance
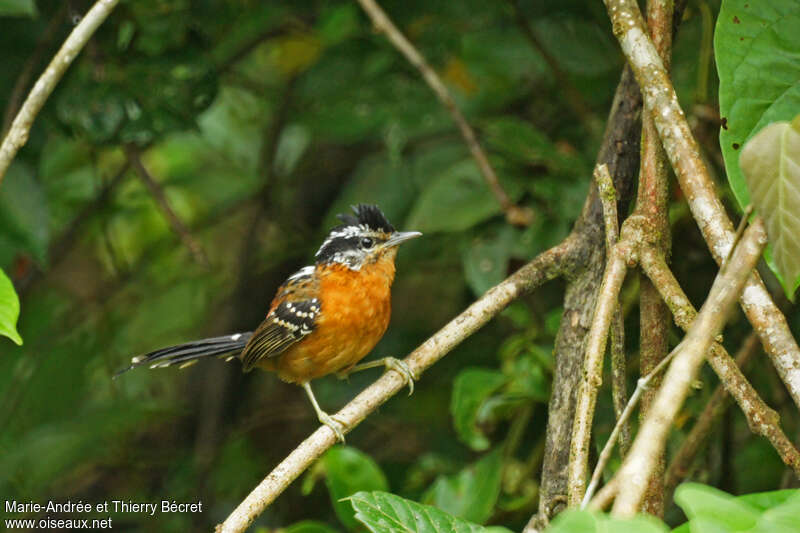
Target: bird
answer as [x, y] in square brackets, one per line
[324, 318]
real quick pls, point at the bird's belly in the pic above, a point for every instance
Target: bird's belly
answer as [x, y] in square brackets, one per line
[346, 332]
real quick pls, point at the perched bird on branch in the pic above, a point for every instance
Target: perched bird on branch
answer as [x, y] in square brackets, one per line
[325, 318]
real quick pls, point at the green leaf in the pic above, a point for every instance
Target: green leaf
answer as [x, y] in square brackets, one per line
[783, 518]
[292, 144]
[458, 199]
[309, 526]
[486, 258]
[574, 521]
[766, 500]
[472, 387]
[710, 509]
[471, 494]
[347, 471]
[757, 50]
[381, 512]
[520, 140]
[771, 165]
[9, 309]
[15, 8]
[375, 181]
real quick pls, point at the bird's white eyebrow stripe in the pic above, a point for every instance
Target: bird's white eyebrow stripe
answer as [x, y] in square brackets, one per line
[303, 272]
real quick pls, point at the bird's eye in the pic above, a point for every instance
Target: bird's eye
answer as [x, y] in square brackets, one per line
[367, 243]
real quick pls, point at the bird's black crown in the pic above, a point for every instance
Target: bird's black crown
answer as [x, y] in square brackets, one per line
[367, 215]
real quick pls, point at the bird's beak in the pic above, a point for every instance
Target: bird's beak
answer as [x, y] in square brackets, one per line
[401, 237]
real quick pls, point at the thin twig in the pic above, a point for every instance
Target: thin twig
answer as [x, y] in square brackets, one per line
[24, 78]
[712, 412]
[64, 242]
[519, 216]
[593, 370]
[650, 441]
[544, 267]
[18, 133]
[619, 378]
[571, 95]
[760, 418]
[698, 187]
[605, 495]
[157, 192]
[642, 385]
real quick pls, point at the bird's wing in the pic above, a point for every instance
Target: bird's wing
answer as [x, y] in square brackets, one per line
[286, 324]
[291, 317]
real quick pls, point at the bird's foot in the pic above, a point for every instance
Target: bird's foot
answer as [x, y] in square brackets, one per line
[336, 426]
[402, 368]
[390, 363]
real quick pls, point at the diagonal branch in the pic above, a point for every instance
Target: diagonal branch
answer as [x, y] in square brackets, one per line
[760, 418]
[698, 187]
[571, 95]
[713, 411]
[546, 266]
[638, 465]
[519, 216]
[177, 225]
[24, 78]
[18, 133]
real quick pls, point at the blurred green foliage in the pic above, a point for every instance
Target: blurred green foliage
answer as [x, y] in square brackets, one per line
[261, 121]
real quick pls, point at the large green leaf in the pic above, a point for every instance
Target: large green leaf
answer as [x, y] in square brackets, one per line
[771, 164]
[9, 309]
[472, 387]
[486, 256]
[472, 493]
[386, 513]
[757, 47]
[306, 526]
[574, 521]
[458, 199]
[347, 471]
[783, 518]
[710, 509]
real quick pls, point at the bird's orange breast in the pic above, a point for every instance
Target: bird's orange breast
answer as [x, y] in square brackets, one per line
[355, 312]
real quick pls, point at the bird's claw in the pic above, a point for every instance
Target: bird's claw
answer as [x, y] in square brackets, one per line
[402, 368]
[336, 426]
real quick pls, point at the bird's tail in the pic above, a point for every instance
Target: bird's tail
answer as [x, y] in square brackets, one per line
[227, 346]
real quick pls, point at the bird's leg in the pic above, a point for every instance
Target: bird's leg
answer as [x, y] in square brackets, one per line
[337, 427]
[390, 363]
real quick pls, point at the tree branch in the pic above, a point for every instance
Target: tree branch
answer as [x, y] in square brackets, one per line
[638, 465]
[652, 203]
[620, 151]
[619, 376]
[177, 225]
[760, 418]
[683, 152]
[18, 133]
[593, 370]
[61, 245]
[571, 95]
[713, 411]
[24, 78]
[518, 216]
[544, 267]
